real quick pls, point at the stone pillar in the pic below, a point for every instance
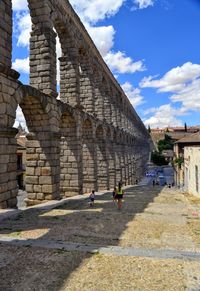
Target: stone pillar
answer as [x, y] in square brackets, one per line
[69, 178]
[123, 164]
[126, 165]
[5, 33]
[118, 163]
[43, 60]
[99, 97]
[43, 167]
[8, 85]
[130, 129]
[107, 109]
[133, 169]
[8, 168]
[86, 84]
[130, 182]
[79, 135]
[112, 165]
[113, 113]
[102, 165]
[123, 116]
[69, 157]
[118, 115]
[69, 80]
[89, 162]
[137, 157]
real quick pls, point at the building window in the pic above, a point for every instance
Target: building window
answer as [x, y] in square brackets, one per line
[196, 178]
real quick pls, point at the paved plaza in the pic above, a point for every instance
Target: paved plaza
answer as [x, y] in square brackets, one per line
[153, 243]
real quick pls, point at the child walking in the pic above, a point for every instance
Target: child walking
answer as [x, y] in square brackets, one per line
[114, 193]
[92, 197]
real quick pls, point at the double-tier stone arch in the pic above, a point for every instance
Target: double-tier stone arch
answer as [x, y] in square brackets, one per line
[41, 114]
[92, 138]
[43, 147]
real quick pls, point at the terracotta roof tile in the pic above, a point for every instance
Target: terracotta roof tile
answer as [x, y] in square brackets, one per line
[192, 138]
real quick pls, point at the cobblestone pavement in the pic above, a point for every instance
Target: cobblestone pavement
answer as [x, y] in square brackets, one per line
[153, 243]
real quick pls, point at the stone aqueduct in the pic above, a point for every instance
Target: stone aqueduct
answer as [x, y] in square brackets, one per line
[89, 139]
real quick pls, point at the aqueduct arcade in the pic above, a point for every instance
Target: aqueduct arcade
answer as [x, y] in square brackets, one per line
[90, 138]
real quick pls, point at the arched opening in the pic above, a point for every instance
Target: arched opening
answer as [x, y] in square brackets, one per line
[88, 154]
[102, 160]
[69, 157]
[20, 125]
[21, 24]
[58, 56]
[38, 157]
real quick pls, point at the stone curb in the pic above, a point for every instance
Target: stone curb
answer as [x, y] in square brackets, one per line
[110, 250]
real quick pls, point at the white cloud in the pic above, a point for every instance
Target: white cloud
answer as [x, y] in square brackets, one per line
[19, 5]
[94, 10]
[58, 55]
[189, 96]
[183, 81]
[141, 4]
[91, 11]
[103, 37]
[120, 63]
[20, 119]
[174, 80]
[23, 29]
[133, 94]
[164, 116]
[21, 65]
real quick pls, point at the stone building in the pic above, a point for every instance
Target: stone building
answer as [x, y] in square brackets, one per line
[90, 138]
[192, 169]
[185, 162]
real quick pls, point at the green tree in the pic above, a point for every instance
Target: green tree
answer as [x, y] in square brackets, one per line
[185, 127]
[158, 159]
[179, 161]
[165, 144]
[149, 129]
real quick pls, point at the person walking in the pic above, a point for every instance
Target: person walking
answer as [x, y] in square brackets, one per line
[114, 193]
[92, 197]
[119, 196]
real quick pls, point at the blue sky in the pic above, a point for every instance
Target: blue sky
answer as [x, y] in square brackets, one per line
[151, 46]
